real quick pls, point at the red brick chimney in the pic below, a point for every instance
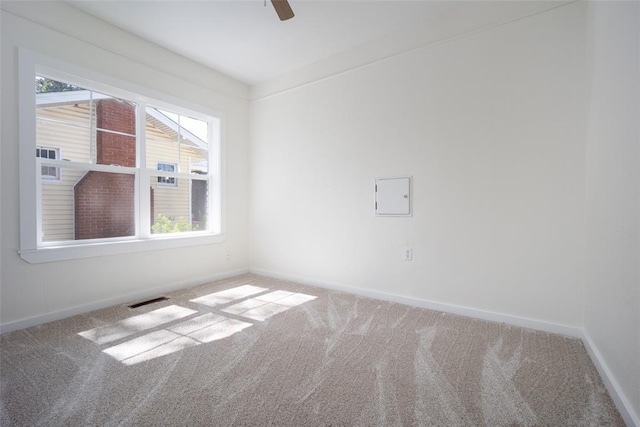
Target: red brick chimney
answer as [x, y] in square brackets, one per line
[104, 202]
[114, 149]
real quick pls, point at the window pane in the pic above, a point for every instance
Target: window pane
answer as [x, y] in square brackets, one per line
[72, 141]
[88, 205]
[58, 207]
[88, 126]
[63, 120]
[114, 114]
[46, 85]
[76, 144]
[76, 114]
[115, 131]
[178, 209]
[197, 160]
[115, 149]
[174, 138]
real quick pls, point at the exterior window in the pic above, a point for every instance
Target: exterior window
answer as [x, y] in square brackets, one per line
[97, 132]
[122, 177]
[178, 142]
[167, 181]
[49, 173]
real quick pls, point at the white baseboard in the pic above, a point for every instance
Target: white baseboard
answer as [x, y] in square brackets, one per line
[120, 299]
[421, 303]
[626, 410]
[629, 416]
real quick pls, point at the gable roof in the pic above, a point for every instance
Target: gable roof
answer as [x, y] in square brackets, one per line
[155, 117]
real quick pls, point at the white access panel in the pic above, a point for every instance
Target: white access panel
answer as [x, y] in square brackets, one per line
[393, 196]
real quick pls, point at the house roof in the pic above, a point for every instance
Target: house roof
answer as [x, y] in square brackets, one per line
[154, 116]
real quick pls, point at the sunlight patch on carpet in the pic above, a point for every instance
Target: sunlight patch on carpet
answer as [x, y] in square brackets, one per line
[152, 344]
[204, 328]
[135, 324]
[264, 306]
[197, 323]
[219, 330]
[229, 295]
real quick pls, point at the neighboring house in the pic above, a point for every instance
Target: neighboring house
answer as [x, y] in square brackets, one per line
[87, 127]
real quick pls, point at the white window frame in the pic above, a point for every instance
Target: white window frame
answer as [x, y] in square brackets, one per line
[50, 178]
[32, 248]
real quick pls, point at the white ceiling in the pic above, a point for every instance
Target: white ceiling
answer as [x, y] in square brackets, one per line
[245, 39]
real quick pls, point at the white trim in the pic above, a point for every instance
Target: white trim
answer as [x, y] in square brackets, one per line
[491, 316]
[120, 299]
[66, 164]
[68, 97]
[28, 176]
[105, 84]
[142, 193]
[125, 246]
[218, 181]
[618, 397]
[189, 176]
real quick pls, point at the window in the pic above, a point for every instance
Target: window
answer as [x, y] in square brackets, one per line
[164, 181]
[139, 173]
[49, 173]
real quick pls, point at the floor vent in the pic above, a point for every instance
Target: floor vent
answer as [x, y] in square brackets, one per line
[151, 301]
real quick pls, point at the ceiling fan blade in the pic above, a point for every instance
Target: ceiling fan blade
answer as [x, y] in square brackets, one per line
[283, 9]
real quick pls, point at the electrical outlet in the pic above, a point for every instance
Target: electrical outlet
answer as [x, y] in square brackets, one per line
[407, 254]
[228, 255]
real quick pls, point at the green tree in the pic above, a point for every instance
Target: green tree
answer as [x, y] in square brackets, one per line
[44, 85]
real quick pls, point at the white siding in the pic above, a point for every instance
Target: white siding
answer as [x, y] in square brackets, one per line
[73, 141]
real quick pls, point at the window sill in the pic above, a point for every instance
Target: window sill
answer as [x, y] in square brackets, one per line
[66, 253]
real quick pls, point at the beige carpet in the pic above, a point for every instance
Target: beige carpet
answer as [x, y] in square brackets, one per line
[252, 351]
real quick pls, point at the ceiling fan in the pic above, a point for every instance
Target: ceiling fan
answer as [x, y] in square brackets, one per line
[283, 9]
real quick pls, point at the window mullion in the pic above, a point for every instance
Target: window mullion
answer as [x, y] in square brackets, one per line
[39, 201]
[143, 195]
[92, 131]
[214, 197]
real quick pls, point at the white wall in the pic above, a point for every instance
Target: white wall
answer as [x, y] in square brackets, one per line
[34, 293]
[612, 293]
[492, 128]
